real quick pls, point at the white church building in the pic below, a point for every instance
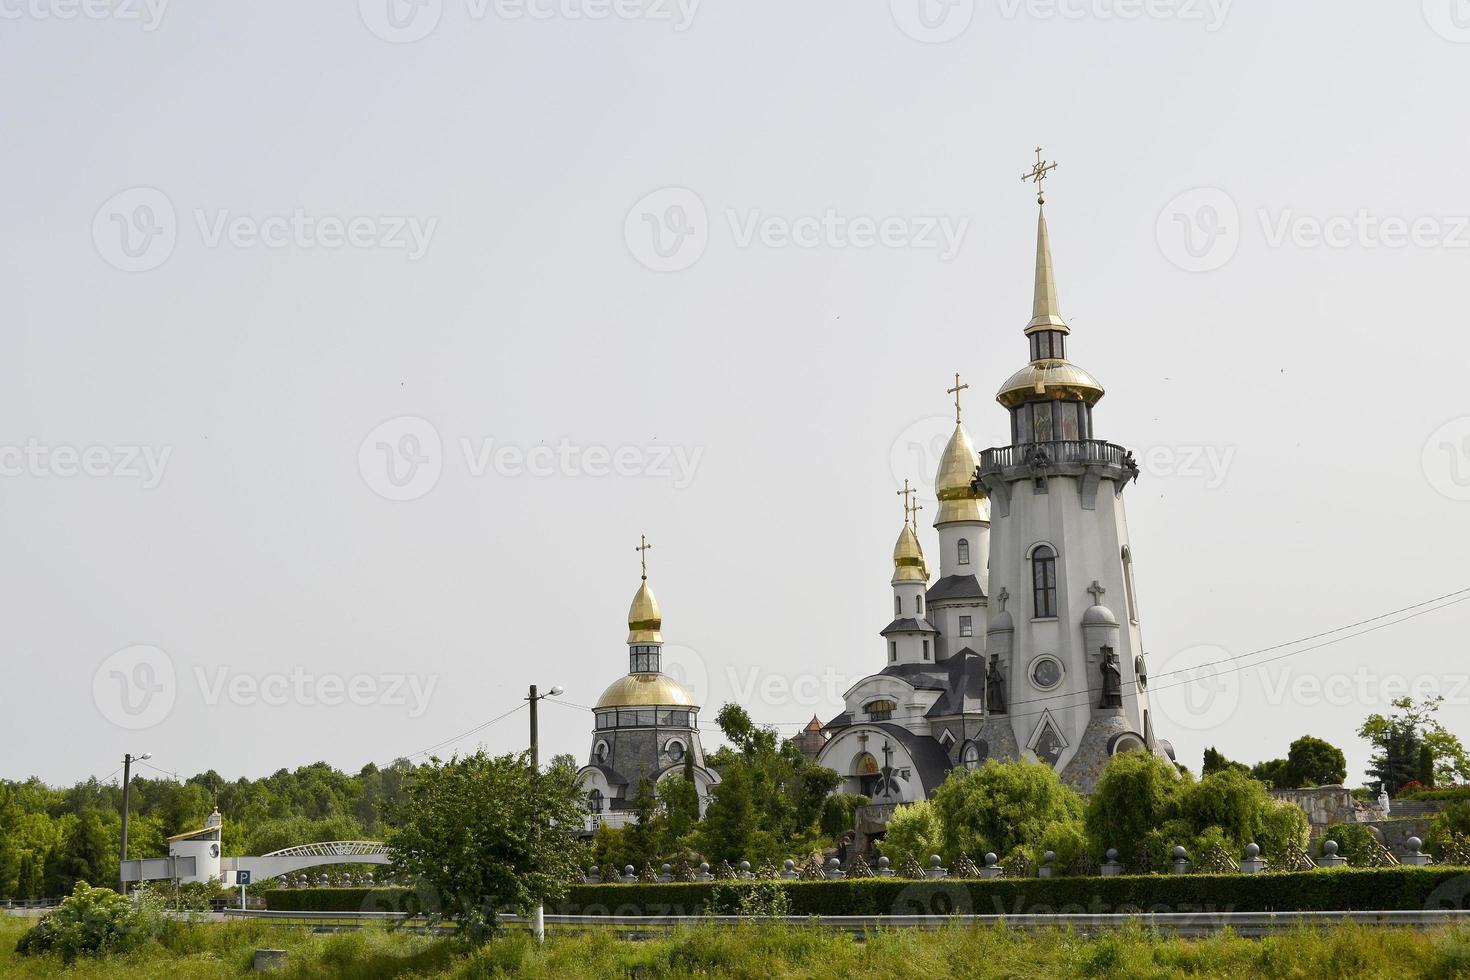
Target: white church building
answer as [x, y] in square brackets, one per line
[1027, 645]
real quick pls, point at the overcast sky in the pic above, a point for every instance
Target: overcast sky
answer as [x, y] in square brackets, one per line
[350, 348]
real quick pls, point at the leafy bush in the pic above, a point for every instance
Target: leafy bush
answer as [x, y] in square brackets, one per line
[1454, 794]
[1353, 841]
[913, 831]
[1000, 807]
[90, 921]
[1453, 819]
[1076, 852]
[1137, 793]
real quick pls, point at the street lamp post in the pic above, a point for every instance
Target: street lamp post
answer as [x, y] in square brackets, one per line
[127, 776]
[538, 917]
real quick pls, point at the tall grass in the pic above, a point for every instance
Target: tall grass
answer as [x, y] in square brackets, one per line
[767, 951]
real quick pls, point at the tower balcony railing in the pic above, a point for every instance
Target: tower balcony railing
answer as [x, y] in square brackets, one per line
[1043, 455]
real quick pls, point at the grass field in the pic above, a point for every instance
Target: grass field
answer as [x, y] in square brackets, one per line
[226, 950]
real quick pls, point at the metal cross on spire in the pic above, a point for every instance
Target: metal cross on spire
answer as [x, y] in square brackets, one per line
[642, 549]
[956, 392]
[905, 493]
[1038, 175]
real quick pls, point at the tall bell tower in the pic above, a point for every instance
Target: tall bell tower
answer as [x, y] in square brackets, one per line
[1063, 623]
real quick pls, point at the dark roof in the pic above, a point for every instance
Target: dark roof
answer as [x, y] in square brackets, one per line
[841, 721]
[929, 756]
[614, 778]
[923, 676]
[956, 587]
[964, 688]
[908, 626]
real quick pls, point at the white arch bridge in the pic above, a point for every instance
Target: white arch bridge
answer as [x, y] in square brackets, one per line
[200, 860]
[290, 859]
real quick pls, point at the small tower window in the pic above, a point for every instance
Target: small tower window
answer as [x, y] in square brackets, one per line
[967, 627]
[926, 649]
[676, 750]
[964, 551]
[1044, 581]
[892, 651]
[919, 604]
[972, 756]
[897, 606]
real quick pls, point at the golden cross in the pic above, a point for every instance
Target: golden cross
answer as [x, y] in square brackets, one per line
[956, 392]
[642, 550]
[916, 508]
[1038, 175]
[905, 493]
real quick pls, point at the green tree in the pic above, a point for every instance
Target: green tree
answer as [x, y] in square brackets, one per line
[1241, 809]
[1136, 793]
[1001, 806]
[486, 833]
[1273, 772]
[680, 797]
[914, 831]
[837, 813]
[1453, 819]
[1425, 775]
[1313, 762]
[1215, 761]
[1397, 738]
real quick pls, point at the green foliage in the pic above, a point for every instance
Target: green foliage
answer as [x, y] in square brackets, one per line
[758, 899]
[1313, 762]
[1398, 741]
[1453, 794]
[1000, 807]
[1273, 772]
[1076, 852]
[1353, 841]
[1215, 761]
[914, 831]
[1425, 773]
[837, 813]
[1137, 793]
[769, 798]
[1453, 819]
[1244, 812]
[485, 833]
[90, 921]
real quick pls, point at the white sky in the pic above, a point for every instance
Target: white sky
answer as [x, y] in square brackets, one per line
[797, 377]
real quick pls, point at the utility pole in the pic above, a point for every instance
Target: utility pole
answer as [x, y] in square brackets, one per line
[538, 917]
[127, 776]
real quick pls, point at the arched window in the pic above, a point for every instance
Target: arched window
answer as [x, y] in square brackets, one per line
[880, 710]
[972, 756]
[897, 606]
[1044, 581]
[964, 551]
[919, 604]
[594, 801]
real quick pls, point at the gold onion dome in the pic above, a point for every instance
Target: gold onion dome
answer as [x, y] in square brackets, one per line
[644, 619]
[645, 691]
[908, 558]
[958, 500]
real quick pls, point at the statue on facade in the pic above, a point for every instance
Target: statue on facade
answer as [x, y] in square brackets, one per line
[1112, 680]
[995, 687]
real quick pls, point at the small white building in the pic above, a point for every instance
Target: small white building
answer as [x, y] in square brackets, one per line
[203, 845]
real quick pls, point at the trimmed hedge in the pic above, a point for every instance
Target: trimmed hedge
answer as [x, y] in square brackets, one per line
[1323, 890]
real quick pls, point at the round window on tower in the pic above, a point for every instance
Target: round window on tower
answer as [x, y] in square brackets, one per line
[601, 753]
[1046, 672]
[675, 749]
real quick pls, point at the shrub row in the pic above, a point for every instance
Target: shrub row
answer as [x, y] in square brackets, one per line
[1324, 890]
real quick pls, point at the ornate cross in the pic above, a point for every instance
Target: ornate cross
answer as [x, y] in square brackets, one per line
[905, 494]
[1001, 597]
[1097, 592]
[956, 392]
[1038, 175]
[914, 509]
[642, 550]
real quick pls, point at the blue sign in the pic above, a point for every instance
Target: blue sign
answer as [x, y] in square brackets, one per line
[242, 877]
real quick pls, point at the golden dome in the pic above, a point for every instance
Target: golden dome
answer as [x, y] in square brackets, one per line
[1052, 376]
[645, 691]
[644, 618]
[958, 500]
[908, 558]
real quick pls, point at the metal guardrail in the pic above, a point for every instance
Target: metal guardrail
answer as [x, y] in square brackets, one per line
[1184, 924]
[1055, 452]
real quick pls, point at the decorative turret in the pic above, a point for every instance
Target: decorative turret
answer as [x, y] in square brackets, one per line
[910, 636]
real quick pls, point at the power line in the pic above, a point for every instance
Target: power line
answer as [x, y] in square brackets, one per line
[478, 728]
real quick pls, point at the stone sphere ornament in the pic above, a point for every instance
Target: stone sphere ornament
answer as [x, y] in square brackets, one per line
[1330, 848]
[1179, 853]
[1252, 851]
